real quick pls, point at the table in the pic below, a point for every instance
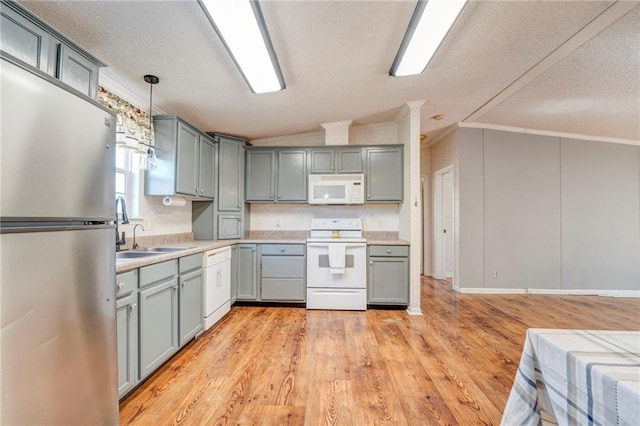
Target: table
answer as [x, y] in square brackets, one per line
[578, 377]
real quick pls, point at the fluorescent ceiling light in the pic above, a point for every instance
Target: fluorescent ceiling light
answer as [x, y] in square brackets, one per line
[242, 29]
[429, 25]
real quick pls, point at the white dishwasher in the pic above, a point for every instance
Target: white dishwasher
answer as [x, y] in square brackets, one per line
[217, 285]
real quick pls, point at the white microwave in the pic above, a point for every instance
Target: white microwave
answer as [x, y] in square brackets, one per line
[336, 189]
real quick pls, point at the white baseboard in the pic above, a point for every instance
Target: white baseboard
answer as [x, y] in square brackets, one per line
[414, 311]
[549, 291]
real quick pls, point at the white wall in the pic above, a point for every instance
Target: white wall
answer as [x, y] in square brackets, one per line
[548, 213]
[425, 175]
[443, 154]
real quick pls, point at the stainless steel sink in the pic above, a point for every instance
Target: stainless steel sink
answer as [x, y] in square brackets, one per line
[168, 249]
[135, 254]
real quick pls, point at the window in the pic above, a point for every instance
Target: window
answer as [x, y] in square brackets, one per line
[133, 133]
[128, 180]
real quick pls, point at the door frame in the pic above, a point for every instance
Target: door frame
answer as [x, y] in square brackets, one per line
[439, 239]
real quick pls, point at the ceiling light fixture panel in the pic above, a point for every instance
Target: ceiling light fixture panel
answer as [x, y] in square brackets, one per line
[429, 25]
[242, 29]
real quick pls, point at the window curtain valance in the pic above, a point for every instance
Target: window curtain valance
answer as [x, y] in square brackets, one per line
[132, 127]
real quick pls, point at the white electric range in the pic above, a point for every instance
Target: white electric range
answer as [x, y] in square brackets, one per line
[336, 265]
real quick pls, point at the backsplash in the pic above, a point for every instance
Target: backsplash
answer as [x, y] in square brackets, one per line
[159, 219]
[297, 217]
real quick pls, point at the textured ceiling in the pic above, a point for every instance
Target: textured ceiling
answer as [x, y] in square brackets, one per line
[605, 90]
[335, 57]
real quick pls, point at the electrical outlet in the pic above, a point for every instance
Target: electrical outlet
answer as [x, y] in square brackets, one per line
[278, 223]
[380, 224]
[147, 224]
[495, 274]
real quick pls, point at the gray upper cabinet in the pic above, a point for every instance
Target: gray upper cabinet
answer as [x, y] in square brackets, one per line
[336, 160]
[260, 179]
[186, 159]
[322, 160]
[33, 42]
[349, 160]
[23, 39]
[276, 174]
[206, 167]
[292, 175]
[231, 171]
[77, 71]
[384, 173]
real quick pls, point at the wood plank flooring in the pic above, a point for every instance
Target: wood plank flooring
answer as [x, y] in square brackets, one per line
[290, 366]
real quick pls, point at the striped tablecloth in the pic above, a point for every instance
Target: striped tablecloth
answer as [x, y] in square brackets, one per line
[578, 377]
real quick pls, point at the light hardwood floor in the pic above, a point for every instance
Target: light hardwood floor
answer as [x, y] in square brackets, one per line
[276, 366]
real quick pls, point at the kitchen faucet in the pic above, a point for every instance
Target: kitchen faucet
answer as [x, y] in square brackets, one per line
[135, 245]
[125, 219]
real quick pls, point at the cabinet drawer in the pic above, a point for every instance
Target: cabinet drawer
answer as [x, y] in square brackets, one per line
[126, 283]
[282, 266]
[283, 289]
[158, 272]
[393, 251]
[283, 249]
[190, 263]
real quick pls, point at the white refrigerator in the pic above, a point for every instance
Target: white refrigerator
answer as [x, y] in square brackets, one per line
[58, 362]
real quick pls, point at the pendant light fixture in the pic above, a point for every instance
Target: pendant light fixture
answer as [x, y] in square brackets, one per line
[149, 161]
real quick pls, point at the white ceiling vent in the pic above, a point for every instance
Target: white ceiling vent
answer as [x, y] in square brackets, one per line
[336, 133]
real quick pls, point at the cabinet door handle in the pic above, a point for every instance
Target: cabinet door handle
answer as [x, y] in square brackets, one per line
[184, 284]
[388, 251]
[201, 191]
[133, 307]
[121, 286]
[371, 262]
[281, 250]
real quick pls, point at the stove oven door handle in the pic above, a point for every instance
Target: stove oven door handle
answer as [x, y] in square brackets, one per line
[347, 245]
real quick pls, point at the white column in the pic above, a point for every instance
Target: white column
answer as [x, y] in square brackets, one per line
[410, 210]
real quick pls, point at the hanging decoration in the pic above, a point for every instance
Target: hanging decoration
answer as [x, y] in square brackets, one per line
[149, 161]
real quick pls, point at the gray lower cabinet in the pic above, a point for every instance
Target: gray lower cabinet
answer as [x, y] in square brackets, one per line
[388, 275]
[127, 330]
[158, 303]
[384, 173]
[35, 43]
[234, 272]
[282, 273]
[247, 273]
[190, 299]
